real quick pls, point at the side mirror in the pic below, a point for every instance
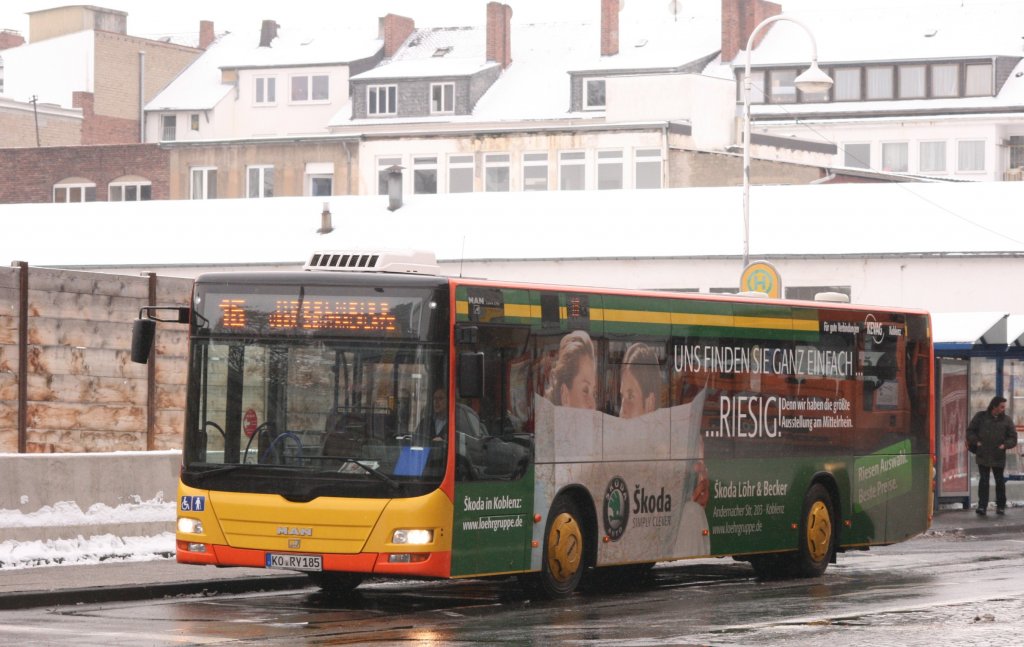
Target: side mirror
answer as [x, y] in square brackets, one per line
[471, 375]
[143, 332]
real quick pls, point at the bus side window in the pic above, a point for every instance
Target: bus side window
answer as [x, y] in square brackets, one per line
[492, 443]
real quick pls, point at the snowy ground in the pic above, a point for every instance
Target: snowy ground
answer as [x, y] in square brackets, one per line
[87, 550]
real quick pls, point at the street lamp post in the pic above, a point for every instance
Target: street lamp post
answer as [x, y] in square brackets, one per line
[813, 79]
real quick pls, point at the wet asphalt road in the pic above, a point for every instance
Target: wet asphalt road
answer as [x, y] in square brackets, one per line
[943, 588]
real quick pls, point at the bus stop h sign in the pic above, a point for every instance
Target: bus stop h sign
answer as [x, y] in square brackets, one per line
[761, 276]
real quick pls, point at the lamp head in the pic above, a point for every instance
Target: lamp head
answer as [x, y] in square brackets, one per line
[813, 80]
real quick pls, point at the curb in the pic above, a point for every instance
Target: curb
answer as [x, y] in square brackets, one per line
[134, 592]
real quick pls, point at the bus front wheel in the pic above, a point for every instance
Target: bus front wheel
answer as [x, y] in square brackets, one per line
[563, 563]
[336, 583]
[817, 533]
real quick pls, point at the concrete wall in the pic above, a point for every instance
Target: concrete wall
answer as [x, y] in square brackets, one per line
[71, 384]
[35, 481]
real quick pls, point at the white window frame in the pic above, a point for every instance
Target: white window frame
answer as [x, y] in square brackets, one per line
[497, 162]
[943, 159]
[757, 86]
[904, 81]
[168, 126]
[311, 181]
[264, 91]
[121, 187]
[960, 166]
[947, 68]
[534, 161]
[587, 105]
[573, 159]
[643, 158]
[80, 190]
[264, 184]
[783, 85]
[442, 98]
[850, 91]
[985, 78]
[373, 100]
[310, 87]
[199, 182]
[610, 161]
[885, 91]
[846, 155]
[906, 156]
[458, 164]
[422, 165]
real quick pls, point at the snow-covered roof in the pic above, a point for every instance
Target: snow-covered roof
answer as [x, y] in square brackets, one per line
[883, 30]
[52, 69]
[869, 31]
[537, 84]
[200, 86]
[657, 36]
[817, 220]
[969, 328]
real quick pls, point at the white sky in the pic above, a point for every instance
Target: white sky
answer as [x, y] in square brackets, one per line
[150, 19]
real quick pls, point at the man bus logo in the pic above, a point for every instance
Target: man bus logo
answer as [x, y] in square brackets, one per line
[616, 508]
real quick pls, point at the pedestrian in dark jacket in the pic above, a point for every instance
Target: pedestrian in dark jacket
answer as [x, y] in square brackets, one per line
[990, 434]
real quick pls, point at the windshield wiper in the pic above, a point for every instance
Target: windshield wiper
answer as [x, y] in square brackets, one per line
[218, 470]
[392, 483]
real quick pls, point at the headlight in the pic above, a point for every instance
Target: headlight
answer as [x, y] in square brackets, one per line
[412, 536]
[190, 526]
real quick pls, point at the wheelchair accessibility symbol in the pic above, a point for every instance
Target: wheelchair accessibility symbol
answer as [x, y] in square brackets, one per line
[761, 276]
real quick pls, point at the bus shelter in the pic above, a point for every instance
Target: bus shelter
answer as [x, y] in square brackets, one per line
[978, 355]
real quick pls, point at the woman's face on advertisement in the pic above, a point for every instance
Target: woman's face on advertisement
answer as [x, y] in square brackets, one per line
[632, 396]
[581, 393]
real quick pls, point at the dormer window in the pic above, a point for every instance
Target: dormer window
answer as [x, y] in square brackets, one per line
[382, 100]
[266, 90]
[881, 81]
[593, 94]
[442, 51]
[442, 98]
[978, 81]
[315, 87]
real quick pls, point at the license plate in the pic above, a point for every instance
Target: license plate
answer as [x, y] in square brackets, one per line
[295, 562]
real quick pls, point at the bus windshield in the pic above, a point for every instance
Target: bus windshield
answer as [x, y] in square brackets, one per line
[343, 412]
[315, 385]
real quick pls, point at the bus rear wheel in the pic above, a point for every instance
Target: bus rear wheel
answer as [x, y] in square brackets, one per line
[817, 533]
[563, 563]
[816, 542]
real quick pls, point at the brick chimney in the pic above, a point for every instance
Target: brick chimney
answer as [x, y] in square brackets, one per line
[10, 38]
[609, 27]
[393, 30]
[206, 36]
[739, 18]
[268, 32]
[499, 33]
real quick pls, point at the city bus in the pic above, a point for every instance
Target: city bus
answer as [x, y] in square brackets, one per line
[368, 417]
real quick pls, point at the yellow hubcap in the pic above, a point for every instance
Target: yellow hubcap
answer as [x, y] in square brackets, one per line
[819, 531]
[565, 547]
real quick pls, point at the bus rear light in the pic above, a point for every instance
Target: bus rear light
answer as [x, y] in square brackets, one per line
[407, 558]
[196, 548]
[537, 518]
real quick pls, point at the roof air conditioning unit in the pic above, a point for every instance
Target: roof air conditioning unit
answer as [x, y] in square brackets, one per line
[392, 261]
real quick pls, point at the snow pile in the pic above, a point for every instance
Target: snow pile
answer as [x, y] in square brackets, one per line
[87, 550]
